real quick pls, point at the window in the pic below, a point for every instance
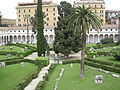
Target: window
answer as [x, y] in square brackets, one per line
[46, 30]
[47, 19]
[51, 30]
[24, 11]
[95, 6]
[47, 14]
[18, 31]
[19, 24]
[18, 20]
[101, 6]
[29, 10]
[54, 24]
[47, 9]
[54, 18]
[19, 15]
[24, 20]
[53, 9]
[111, 29]
[35, 10]
[19, 11]
[116, 29]
[53, 14]
[47, 24]
[105, 29]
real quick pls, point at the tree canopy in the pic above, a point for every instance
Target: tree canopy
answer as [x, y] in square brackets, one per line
[66, 40]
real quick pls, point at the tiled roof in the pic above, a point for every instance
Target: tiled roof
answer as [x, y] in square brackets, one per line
[22, 28]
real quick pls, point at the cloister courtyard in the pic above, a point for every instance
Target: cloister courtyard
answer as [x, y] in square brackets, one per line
[15, 76]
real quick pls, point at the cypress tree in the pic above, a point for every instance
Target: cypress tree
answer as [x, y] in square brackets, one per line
[40, 28]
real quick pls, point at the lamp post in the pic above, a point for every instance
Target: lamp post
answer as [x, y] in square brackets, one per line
[27, 17]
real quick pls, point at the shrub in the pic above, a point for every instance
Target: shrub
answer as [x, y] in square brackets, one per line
[41, 84]
[23, 83]
[118, 43]
[107, 41]
[71, 61]
[99, 61]
[105, 67]
[42, 61]
[116, 54]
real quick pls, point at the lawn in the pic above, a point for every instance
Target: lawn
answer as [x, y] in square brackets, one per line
[3, 57]
[14, 49]
[107, 49]
[90, 45]
[71, 79]
[12, 74]
[108, 59]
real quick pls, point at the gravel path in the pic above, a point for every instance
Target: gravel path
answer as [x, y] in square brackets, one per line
[33, 84]
[32, 56]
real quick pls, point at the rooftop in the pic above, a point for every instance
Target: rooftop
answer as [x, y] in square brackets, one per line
[51, 27]
[34, 3]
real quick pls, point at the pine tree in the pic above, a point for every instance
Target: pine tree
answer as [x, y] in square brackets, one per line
[66, 40]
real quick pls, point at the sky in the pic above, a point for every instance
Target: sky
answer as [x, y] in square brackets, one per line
[7, 7]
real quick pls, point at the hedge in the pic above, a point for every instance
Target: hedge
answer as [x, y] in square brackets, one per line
[71, 61]
[95, 63]
[41, 84]
[105, 67]
[42, 61]
[99, 61]
[18, 61]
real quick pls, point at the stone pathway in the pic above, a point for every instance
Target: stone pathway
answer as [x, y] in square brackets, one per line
[32, 56]
[33, 84]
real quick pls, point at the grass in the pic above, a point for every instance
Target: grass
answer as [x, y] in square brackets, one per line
[108, 59]
[71, 79]
[3, 57]
[108, 49]
[15, 49]
[90, 45]
[12, 74]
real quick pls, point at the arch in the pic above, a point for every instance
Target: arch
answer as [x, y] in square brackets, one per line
[15, 38]
[11, 39]
[32, 38]
[116, 37]
[90, 38]
[46, 37]
[23, 38]
[111, 36]
[28, 39]
[101, 37]
[95, 38]
[106, 36]
[51, 39]
[2, 40]
[19, 38]
[5, 39]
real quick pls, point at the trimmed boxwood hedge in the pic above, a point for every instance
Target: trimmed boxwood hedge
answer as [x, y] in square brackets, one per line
[71, 61]
[99, 61]
[98, 64]
[42, 61]
[41, 84]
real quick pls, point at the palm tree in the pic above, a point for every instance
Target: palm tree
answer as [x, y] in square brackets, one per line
[83, 19]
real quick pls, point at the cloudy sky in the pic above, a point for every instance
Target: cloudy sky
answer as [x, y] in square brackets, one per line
[7, 7]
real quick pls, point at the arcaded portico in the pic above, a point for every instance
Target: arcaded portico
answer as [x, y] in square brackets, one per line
[19, 34]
